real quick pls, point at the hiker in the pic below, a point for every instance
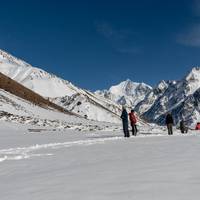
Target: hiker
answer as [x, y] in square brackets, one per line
[183, 128]
[133, 121]
[169, 122]
[197, 126]
[124, 117]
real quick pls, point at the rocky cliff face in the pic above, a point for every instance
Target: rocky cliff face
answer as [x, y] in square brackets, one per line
[178, 97]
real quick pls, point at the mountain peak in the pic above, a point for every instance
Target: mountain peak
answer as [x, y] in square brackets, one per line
[128, 80]
[194, 74]
[128, 92]
[10, 59]
[162, 85]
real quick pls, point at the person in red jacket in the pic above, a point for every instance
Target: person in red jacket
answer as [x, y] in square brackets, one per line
[198, 126]
[133, 120]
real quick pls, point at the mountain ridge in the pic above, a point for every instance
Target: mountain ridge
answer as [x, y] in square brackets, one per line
[52, 87]
[151, 103]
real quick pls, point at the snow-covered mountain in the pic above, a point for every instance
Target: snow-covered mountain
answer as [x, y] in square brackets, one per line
[18, 110]
[181, 98]
[152, 96]
[58, 90]
[90, 106]
[126, 93]
[41, 82]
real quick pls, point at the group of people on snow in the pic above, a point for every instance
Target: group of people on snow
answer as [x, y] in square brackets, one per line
[183, 128]
[125, 122]
[169, 121]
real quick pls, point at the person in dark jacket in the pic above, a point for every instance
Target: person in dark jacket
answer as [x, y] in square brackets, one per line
[169, 122]
[133, 120]
[124, 117]
[183, 127]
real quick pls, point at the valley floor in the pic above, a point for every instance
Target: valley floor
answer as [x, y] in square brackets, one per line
[68, 165]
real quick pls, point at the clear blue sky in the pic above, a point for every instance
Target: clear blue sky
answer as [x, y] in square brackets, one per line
[98, 43]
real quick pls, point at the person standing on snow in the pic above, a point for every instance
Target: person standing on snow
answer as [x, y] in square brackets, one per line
[169, 122]
[124, 117]
[183, 127]
[133, 121]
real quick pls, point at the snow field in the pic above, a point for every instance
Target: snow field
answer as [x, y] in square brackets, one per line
[98, 166]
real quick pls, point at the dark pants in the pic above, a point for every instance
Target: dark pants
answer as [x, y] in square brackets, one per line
[125, 128]
[134, 129]
[170, 129]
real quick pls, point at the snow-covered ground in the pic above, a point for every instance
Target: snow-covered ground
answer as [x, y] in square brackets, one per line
[101, 165]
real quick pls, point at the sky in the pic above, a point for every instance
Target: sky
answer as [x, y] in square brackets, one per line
[96, 44]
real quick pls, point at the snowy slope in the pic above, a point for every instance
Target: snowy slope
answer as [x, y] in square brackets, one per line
[41, 82]
[90, 106]
[58, 90]
[126, 93]
[17, 110]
